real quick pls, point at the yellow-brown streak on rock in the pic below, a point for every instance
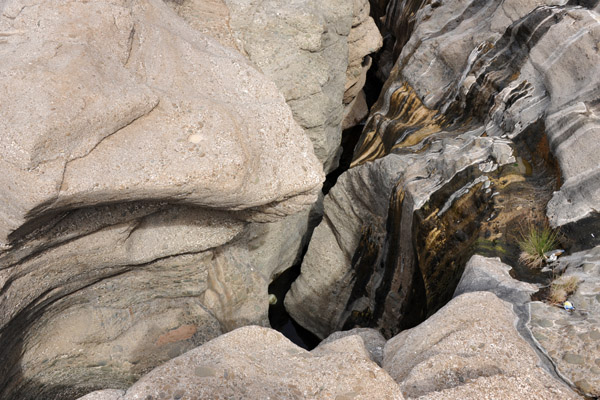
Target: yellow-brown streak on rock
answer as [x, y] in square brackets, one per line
[182, 333]
[406, 123]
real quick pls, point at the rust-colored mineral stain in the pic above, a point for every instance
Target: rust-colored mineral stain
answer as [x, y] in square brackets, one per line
[407, 122]
[182, 333]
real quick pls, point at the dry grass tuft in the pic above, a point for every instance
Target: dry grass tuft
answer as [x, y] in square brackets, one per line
[562, 288]
[534, 243]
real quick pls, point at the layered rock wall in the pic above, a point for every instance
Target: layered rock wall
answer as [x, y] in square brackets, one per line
[473, 83]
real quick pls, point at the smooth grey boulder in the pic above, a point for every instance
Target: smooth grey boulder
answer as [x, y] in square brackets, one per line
[373, 341]
[492, 275]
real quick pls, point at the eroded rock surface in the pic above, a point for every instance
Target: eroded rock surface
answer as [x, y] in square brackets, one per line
[572, 339]
[259, 363]
[373, 340]
[134, 157]
[469, 349]
[316, 52]
[440, 165]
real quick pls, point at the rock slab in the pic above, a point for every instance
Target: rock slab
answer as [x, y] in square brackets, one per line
[469, 349]
[259, 363]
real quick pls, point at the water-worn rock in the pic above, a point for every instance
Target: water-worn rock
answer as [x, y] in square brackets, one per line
[491, 275]
[111, 154]
[474, 81]
[370, 269]
[133, 157]
[515, 65]
[572, 339]
[364, 39]
[259, 363]
[469, 349]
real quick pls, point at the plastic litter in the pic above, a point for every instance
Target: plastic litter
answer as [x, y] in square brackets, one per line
[272, 299]
[568, 306]
[553, 255]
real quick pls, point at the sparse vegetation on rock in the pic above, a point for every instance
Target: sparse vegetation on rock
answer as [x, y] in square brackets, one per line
[534, 243]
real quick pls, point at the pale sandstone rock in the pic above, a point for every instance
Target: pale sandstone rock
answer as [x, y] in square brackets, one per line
[364, 38]
[311, 50]
[469, 349]
[135, 101]
[372, 339]
[259, 363]
[130, 173]
[356, 111]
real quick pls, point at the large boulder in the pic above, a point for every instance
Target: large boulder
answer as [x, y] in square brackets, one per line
[316, 52]
[259, 363]
[136, 154]
[469, 349]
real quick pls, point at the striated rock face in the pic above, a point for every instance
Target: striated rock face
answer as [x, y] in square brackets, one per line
[458, 151]
[316, 52]
[259, 363]
[134, 158]
[363, 39]
[469, 350]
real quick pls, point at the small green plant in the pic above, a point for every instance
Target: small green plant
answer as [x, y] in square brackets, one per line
[534, 243]
[562, 288]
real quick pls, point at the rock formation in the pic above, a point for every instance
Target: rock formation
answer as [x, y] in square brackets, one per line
[259, 363]
[489, 114]
[449, 356]
[316, 52]
[136, 154]
[452, 108]
[160, 161]
[571, 339]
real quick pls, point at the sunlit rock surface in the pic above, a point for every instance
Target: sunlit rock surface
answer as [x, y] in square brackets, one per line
[316, 52]
[487, 122]
[135, 153]
[469, 350]
[259, 363]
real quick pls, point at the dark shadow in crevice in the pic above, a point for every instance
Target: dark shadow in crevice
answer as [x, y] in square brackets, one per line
[279, 318]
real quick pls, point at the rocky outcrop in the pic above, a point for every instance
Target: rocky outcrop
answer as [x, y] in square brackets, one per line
[571, 339]
[136, 157]
[469, 350]
[484, 274]
[364, 38]
[373, 340]
[371, 270]
[316, 52]
[455, 154]
[259, 363]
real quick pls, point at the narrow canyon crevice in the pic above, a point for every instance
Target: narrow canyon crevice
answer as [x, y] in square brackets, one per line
[359, 176]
